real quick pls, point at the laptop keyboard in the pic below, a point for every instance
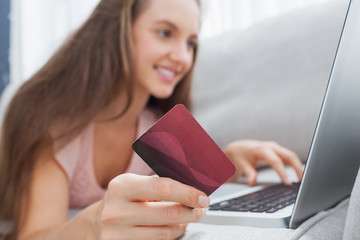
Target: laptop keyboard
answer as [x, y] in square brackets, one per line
[268, 200]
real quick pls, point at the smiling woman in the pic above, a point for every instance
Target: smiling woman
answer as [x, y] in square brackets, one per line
[67, 133]
[129, 62]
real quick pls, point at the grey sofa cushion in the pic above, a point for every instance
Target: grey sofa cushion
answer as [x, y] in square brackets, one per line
[267, 82]
[352, 230]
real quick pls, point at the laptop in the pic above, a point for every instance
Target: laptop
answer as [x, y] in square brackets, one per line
[334, 156]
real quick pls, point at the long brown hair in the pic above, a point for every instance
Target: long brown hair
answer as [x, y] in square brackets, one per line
[84, 76]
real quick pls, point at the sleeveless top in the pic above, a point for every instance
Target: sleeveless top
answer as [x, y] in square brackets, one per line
[76, 159]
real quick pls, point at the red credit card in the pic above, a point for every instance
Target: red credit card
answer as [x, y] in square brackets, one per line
[177, 147]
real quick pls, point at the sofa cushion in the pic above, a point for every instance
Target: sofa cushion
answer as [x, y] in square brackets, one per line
[352, 230]
[267, 82]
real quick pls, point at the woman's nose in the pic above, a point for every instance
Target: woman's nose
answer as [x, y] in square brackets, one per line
[181, 53]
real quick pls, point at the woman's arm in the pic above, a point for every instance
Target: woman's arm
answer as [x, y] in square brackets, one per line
[131, 209]
[49, 204]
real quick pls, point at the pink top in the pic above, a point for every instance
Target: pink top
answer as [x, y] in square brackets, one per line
[76, 158]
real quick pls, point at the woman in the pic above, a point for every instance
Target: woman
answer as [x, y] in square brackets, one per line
[67, 135]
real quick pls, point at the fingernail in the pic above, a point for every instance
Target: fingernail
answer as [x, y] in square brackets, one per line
[203, 201]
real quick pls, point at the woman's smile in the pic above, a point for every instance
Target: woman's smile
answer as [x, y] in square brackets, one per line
[167, 74]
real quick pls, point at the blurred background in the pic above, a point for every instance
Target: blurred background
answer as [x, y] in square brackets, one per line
[31, 30]
[4, 43]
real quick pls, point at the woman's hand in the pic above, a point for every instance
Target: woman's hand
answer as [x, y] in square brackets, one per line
[246, 154]
[132, 209]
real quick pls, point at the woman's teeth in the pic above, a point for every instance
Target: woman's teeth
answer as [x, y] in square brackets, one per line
[166, 72]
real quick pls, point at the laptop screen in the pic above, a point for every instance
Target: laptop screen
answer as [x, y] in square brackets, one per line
[334, 157]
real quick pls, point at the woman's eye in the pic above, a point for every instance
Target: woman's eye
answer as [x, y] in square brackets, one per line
[192, 44]
[164, 33]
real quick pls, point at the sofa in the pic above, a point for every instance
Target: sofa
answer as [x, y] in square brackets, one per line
[267, 82]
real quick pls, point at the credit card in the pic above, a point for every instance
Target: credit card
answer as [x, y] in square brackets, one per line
[176, 146]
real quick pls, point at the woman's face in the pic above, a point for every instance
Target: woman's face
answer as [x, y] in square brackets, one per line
[165, 35]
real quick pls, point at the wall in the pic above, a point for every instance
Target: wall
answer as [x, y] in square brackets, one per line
[4, 43]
